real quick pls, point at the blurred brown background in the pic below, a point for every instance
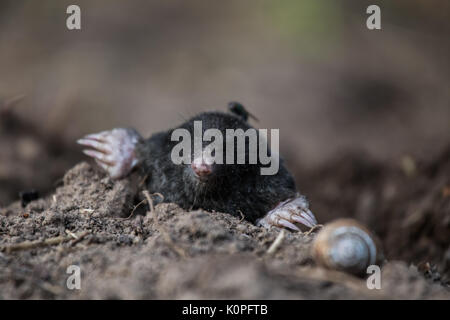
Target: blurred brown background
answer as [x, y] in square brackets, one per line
[310, 68]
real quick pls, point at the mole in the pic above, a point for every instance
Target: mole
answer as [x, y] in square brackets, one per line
[236, 189]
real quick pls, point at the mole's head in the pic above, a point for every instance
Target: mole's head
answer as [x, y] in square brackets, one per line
[210, 168]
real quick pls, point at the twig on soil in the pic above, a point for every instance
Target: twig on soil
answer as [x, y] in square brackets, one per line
[70, 233]
[147, 199]
[40, 243]
[150, 200]
[242, 216]
[134, 209]
[36, 244]
[276, 243]
[80, 238]
[87, 211]
[317, 226]
[180, 251]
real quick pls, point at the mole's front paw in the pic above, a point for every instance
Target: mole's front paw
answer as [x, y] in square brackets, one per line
[113, 150]
[289, 212]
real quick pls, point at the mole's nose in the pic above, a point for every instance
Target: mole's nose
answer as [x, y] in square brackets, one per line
[201, 168]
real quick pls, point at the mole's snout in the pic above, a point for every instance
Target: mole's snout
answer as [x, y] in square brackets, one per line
[202, 167]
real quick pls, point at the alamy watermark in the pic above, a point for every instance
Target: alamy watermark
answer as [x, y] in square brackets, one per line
[73, 22]
[74, 280]
[374, 280]
[373, 22]
[213, 153]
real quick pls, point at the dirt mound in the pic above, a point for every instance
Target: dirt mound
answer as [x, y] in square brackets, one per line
[90, 222]
[407, 204]
[418, 221]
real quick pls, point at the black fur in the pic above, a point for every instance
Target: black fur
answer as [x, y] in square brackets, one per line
[233, 188]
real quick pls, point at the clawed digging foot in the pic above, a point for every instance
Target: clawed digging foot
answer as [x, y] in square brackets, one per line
[289, 213]
[113, 150]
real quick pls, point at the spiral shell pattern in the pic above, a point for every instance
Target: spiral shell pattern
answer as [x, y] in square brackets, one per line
[345, 245]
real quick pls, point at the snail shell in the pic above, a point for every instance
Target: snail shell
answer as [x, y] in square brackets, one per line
[346, 245]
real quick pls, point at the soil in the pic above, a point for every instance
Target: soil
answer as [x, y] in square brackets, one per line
[128, 250]
[407, 204]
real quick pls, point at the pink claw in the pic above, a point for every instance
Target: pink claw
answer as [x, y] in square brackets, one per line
[289, 212]
[287, 224]
[113, 150]
[99, 156]
[94, 144]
